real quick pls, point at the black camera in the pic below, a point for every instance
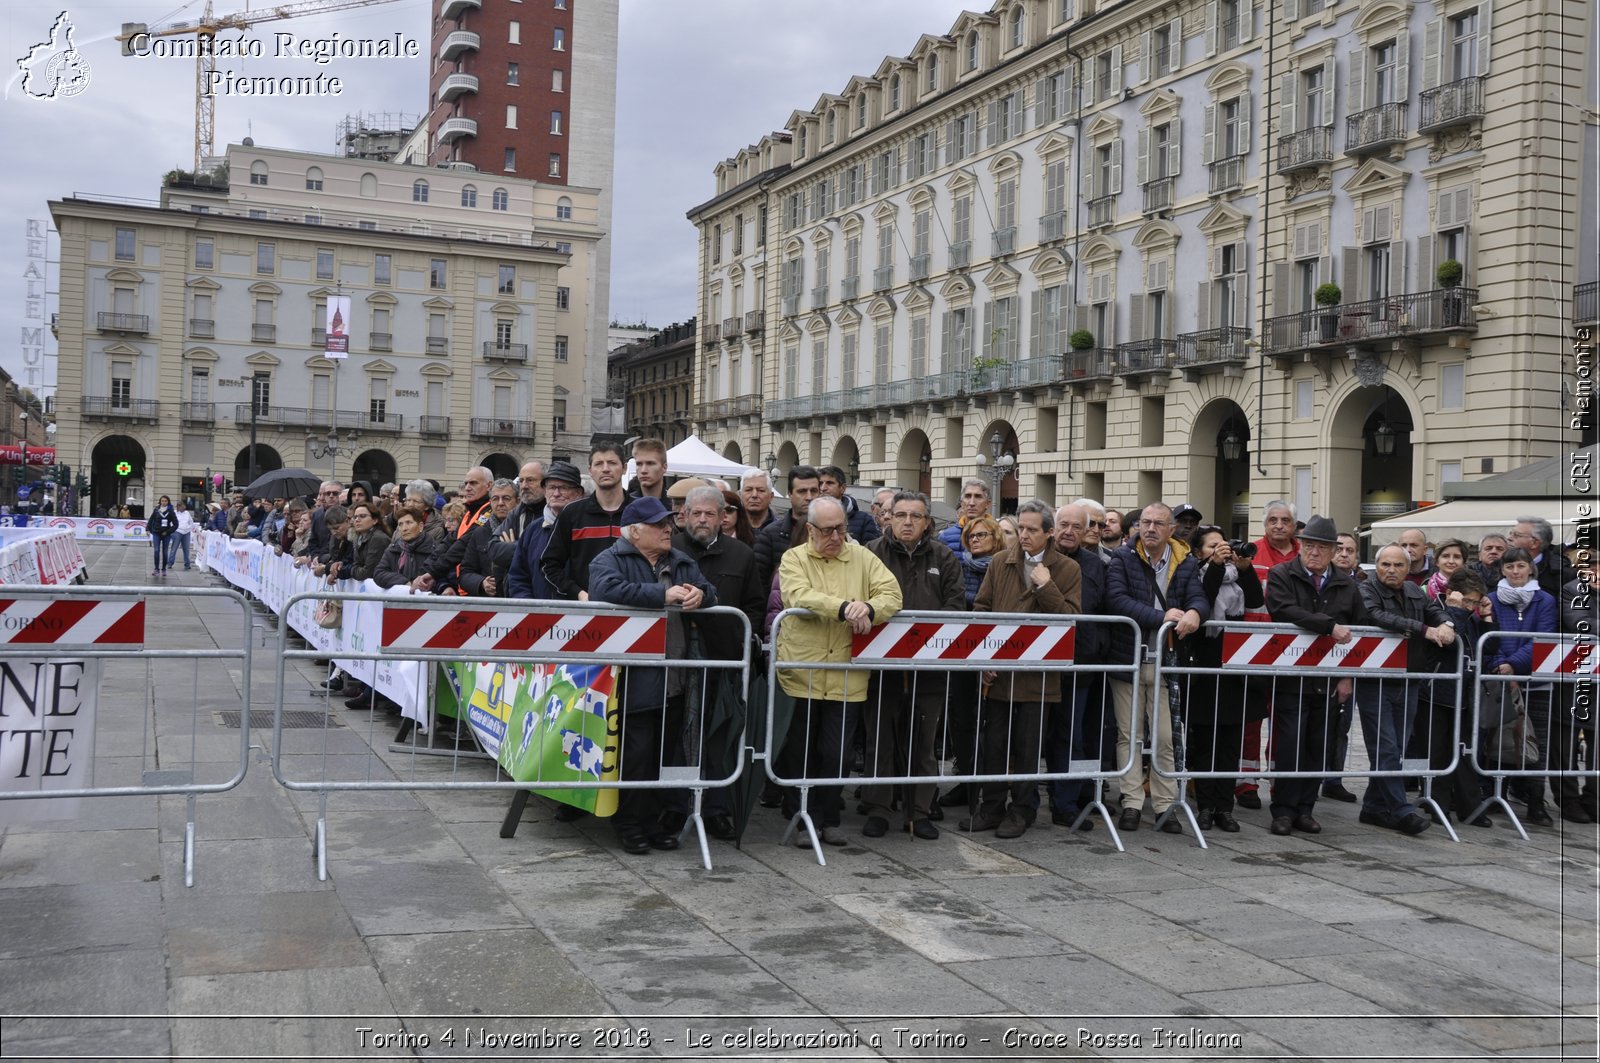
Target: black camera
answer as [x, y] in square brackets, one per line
[1242, 550]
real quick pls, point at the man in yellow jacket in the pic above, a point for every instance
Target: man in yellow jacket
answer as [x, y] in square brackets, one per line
[847, 591]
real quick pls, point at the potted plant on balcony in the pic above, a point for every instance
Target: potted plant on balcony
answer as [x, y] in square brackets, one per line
[1080, 340]
[982, 376]
[1328, 296]
[1449, 275]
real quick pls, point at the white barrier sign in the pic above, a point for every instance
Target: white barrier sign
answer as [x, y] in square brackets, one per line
[47, 724]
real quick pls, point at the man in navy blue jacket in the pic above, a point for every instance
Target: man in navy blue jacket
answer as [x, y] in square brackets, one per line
[1153, 581]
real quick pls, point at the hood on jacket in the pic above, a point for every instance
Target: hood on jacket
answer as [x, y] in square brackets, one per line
[1179, 548]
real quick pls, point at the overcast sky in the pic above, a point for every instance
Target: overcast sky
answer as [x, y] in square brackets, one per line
[698, 79]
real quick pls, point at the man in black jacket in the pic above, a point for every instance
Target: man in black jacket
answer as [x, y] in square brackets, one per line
[774, 540]
[1152, 581]
[1070, 736]
[587, 528]
[1310, 593]
[491, 545]
[903, 710]
[1550, 566]
[1388, 706]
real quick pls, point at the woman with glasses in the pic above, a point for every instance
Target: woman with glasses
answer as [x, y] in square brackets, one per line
[1216, 703]
[981, 539]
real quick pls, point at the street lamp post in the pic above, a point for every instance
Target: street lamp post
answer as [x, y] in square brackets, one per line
[999, 464]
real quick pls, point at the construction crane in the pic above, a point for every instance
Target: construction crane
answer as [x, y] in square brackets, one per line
[204, 30]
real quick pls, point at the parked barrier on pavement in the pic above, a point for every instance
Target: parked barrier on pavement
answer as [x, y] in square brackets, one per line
[1307, 678]
[548, 685]
[959, 683]
[61, 740]
[1535, 722]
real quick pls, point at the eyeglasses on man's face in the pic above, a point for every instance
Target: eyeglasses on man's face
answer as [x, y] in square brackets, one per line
[830, 531]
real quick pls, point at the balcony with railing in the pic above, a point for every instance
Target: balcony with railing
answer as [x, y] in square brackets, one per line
[712, 332]
[1457, 103]
[1375, 129]
[1145, 359]
[1159, 194]
[456, 85]
[1586, 304]
[131, 323]
[920, 266]
[113, 408]
[198, 412]
[1102, 211]
[380, 341]
[1211, 349]
[754, 320]
[883, 278]
[1052, 226]
[1305, 149]
[961, 254]
[1105, 88]
[438, 345]
[434, 425]
[1090, 366]
[1372, 322]
[456, 128]
[202, 328]
[1228, 34]
[819, 297]
[453, 8]
[788, 409]
[501, 428]
[456, 42]
[730, 328]
[1227, 175]
[264, 333]
[1039, 372]
[495, 351]
[1005, 241]
[850, 287]
[791, 305]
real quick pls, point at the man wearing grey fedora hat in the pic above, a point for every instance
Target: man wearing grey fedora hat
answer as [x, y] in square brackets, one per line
[1309, 592]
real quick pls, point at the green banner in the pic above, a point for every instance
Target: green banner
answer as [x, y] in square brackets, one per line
[542, 723]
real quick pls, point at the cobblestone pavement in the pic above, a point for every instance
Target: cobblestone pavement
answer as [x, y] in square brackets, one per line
[433, 936]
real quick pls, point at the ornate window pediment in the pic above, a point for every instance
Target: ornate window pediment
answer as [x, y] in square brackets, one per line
[882, 306]
[436, 370]
[379, 367]
[1103, 128]
[263, 360]
[1005, 160]
[817, 324]
[320, 361]
[1157, 234]
[1227, 79]
[502, 374]
[1160, 104]
[1054, 145]
[125, 276]
[961, 181]
[1001, 279]
[438, 304]
[1222, 218]
[1049, 263]
[1375, 175]
[265, 288]
[382, 299]
[200, 283]
[201, 354]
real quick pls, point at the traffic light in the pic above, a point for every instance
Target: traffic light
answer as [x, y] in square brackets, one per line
[64, 475]
[83, 486]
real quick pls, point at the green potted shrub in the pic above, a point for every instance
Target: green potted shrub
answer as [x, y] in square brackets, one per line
[1328, 296]
[1449, 274]
[1080, 340]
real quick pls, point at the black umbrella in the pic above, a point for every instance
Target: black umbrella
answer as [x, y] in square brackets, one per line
[283, 483]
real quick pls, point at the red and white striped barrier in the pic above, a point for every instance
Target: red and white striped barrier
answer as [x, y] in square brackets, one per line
[486, 630]
[73, 621]
[1565, 658]
[915, 640]
[1285, 650]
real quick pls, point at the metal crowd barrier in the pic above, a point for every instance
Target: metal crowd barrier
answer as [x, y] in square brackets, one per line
[510, 707]
[1558, 691]
[1302, 671]
[77, 636]
[935, 681]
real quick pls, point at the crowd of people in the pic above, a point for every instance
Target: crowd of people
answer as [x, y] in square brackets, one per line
[849, 566]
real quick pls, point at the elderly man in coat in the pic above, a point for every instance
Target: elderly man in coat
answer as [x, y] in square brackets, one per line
[845, 590]
[641, 570]
[904, 713]
[1031, 577]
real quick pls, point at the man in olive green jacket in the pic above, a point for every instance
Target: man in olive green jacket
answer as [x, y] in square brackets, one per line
[1031, 577]
[847, 591]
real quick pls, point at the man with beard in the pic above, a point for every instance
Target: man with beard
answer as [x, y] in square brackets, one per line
[530, 497]
[587, 527]
[562, 485]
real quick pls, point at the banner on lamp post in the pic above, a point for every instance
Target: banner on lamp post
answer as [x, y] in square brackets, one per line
[337, 331]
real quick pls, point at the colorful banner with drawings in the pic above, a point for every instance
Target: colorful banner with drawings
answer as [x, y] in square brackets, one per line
[542, 723]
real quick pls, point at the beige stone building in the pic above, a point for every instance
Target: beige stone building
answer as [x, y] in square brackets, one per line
[908, 264]
[184, 321]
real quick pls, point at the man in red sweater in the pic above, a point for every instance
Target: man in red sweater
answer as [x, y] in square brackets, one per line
[1273, 548]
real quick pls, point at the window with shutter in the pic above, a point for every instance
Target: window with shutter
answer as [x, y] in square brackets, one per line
[847, 360]
[881, 370]
[919, 348]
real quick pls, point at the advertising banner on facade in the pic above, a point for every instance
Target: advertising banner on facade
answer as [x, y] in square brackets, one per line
[338, 327]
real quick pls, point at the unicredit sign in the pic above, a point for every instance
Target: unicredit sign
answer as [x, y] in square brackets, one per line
[12, 455]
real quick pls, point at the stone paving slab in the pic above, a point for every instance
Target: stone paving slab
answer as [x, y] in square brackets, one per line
[431, 921]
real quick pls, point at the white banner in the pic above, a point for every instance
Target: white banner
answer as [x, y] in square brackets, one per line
[39, 556]
[47, 720]
[274, 579]
[88, 529]
[337, 336]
